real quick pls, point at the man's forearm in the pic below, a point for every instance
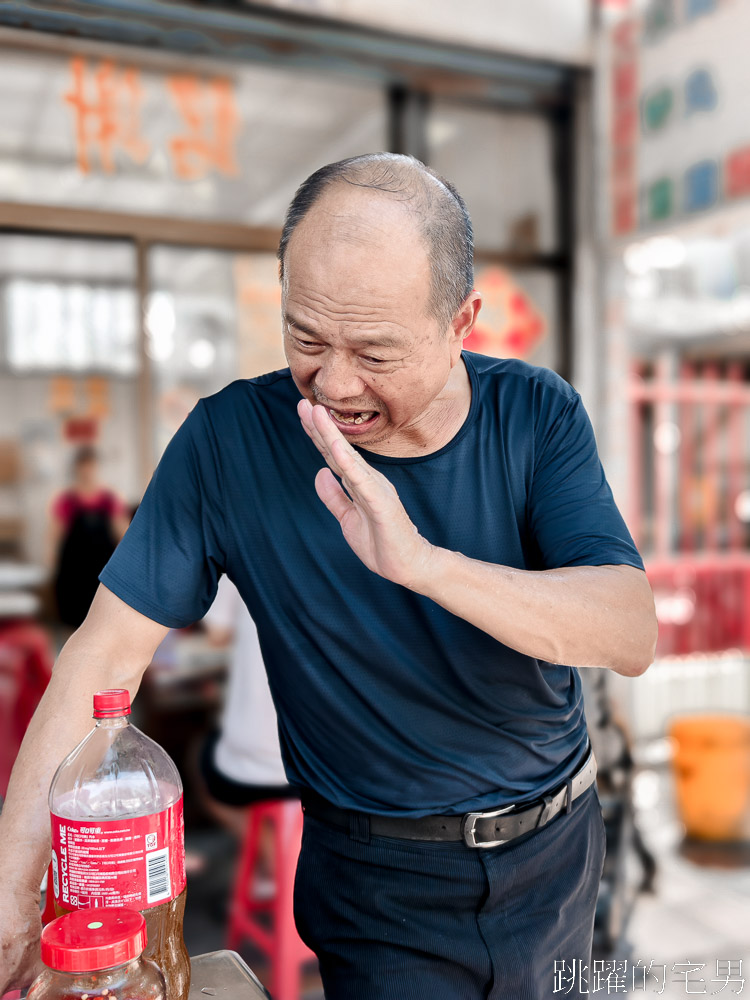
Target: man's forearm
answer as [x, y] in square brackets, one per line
[61, 721]
[111, 649]
[582, 616]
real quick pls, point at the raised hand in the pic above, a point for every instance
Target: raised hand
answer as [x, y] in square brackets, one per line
[372, 517]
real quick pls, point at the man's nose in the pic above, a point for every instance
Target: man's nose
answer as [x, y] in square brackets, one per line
[337, 380]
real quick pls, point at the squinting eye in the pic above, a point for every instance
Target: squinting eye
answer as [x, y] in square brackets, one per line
[306, 343]
[373, 361]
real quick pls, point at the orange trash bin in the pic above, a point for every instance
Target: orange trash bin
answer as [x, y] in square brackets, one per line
[711, 765]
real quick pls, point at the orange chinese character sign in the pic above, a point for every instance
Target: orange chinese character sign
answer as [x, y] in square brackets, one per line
[212, 123]
[510, 325]
[62, 395]
[97, 391]
[106, 103]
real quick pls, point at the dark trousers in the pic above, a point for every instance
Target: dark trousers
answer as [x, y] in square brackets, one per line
[392, 919]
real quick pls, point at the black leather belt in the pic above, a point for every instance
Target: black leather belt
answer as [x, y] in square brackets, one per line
[490, 828]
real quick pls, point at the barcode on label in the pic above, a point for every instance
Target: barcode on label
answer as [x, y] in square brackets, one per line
[157, 875]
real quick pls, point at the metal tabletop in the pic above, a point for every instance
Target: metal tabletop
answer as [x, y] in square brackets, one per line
[223, 974]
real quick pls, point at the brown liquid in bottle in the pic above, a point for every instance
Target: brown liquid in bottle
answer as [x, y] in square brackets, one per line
[166, 946]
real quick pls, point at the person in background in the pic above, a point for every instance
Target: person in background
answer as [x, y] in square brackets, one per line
[240, 763]
[86, 523]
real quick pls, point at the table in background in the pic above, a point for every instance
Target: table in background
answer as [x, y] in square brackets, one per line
[223, 974]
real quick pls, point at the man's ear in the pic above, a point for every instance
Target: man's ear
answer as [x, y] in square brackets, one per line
[463, 321]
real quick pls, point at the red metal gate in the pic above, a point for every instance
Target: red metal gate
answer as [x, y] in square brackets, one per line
[689, 505]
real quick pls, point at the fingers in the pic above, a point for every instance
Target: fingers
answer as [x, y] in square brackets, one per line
[311, 427]
[363, 483]
[331, 493]
[331, 443]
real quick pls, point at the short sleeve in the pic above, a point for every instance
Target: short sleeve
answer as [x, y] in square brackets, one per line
[60, 507]
[573, 516]
[168, 564]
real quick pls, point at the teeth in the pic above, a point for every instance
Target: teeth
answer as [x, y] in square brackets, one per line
[348, 418]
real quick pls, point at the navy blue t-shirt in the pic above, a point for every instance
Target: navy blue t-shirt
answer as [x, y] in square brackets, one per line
[386, 702]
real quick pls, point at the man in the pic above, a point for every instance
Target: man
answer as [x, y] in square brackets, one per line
[418, 652]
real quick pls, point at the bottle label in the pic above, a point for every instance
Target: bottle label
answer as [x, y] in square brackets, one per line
[136, 861]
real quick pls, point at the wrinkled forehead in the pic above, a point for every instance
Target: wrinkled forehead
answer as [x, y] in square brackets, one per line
[359, 244]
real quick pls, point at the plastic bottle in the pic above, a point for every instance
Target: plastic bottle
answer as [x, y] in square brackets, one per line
[97, 953]
[118, 835]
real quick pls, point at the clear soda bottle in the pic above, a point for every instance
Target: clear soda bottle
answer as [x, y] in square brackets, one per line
[118, 834]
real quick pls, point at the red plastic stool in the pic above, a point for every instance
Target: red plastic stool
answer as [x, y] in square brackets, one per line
[279, 942]
[26, 661]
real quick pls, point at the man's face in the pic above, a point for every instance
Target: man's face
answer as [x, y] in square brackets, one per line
[358, 336]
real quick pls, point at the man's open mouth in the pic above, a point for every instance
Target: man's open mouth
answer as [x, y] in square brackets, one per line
[354, 418]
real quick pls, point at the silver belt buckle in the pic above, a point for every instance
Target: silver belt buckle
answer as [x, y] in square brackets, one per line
[469, 823]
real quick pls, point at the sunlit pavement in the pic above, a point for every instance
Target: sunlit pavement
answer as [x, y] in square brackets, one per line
[699, 914]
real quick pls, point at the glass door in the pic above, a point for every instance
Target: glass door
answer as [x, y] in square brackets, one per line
[69, 370]
[212, 316]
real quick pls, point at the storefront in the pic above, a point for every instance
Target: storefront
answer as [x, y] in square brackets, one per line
[146, 161]
[676, 352]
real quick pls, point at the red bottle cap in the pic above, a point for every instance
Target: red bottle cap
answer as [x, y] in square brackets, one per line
[93, 939]
[108, 704]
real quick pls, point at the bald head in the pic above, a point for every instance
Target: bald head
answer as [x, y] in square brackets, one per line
[406, 195]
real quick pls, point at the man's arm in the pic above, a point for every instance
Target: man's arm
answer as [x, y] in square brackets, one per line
[583, 616]
[578, 615]
[111, 649]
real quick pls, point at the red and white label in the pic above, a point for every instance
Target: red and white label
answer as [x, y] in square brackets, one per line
[136, 861]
